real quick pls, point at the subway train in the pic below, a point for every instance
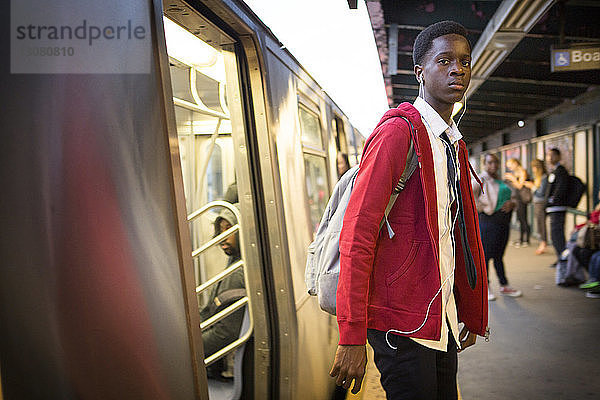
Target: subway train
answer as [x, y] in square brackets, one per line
[113, 181]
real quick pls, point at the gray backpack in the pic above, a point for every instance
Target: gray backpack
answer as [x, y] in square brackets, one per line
[323, 261]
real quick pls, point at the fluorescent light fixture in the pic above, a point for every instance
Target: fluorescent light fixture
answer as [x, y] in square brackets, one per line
[187, 48]
[505, 30]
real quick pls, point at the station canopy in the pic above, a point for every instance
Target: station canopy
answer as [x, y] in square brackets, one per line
[512, 42]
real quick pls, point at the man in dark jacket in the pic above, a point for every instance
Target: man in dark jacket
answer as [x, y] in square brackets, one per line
[556, 205]
[222, 295]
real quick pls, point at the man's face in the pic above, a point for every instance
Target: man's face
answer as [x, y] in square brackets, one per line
[229, 245]
[446, 69]
[552, 158]
[342, 165]
[491, 165]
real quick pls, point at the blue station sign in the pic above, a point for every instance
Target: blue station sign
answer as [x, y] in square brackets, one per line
[575, 58]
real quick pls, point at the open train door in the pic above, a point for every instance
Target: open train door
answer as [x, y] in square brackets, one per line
[97, 289]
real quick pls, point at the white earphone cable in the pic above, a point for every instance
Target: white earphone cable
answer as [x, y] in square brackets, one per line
[455, 195]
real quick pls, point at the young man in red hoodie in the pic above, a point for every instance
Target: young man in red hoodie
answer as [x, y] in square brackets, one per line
[407, 285]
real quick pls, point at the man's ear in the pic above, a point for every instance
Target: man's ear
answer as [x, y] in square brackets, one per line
[418, 73]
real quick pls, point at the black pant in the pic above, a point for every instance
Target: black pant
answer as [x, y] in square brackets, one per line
[557, 231]
[494, 230]
[524, 225]
[539, 211]
[413, 371]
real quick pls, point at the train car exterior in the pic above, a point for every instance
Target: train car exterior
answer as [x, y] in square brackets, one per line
[293, 137]
[129, 176]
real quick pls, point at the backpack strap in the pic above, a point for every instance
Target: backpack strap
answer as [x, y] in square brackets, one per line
[412, 162]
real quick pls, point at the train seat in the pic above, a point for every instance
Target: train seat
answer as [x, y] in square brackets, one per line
[219, 390]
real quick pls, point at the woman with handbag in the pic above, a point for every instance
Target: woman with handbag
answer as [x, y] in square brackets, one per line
[517, 178]
[538, 186]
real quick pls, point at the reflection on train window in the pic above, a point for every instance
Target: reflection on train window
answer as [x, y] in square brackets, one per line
[310, 128]
[316, 186]
[214, 176]
[206, 153]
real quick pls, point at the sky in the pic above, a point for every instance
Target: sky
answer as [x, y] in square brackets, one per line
[336, 46]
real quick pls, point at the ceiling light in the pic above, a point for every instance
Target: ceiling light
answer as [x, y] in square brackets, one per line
[187, 48]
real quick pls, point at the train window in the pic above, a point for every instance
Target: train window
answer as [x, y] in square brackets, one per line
[310, 128]
[315, 165]
[316, 186]
[207, 152]
[340, 135]
[214, 176]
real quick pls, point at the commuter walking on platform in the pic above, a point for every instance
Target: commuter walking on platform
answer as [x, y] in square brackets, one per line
[556, 200]
[517, 179]
[495, 207]
[539, 187]
[405, 280]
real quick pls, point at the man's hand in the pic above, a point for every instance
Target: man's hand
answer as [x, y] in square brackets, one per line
[349, 365]
[508, 206]
[467, 339]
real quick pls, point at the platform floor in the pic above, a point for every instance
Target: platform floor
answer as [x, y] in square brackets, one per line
[544, 345]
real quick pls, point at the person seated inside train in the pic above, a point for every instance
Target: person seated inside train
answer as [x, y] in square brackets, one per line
[343, 164]
[223, 294]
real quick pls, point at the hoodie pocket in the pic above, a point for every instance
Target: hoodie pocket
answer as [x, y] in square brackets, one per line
[406, 264]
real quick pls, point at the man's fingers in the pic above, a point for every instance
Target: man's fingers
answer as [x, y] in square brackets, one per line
[468, 342]
[341, 377]
[335, 369]
[347, 383]
[357, 384]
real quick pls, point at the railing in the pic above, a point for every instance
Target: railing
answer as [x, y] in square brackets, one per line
[577, 212]
[244, 301]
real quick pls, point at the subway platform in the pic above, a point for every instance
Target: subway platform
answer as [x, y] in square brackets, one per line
[543, 345]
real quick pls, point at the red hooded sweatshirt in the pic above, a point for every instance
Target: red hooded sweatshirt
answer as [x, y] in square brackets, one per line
[388, 283]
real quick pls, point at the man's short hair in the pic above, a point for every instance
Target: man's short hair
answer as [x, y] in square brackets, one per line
[494, 156]
[555, 151]
[425, 39]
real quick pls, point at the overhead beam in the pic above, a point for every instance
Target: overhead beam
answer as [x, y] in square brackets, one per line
[512, 95]
[510, 23]
[538, 82]
[404, 86]
[503, 105]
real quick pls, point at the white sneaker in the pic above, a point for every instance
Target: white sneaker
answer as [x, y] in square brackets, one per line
[508, 291]
[491, 296]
